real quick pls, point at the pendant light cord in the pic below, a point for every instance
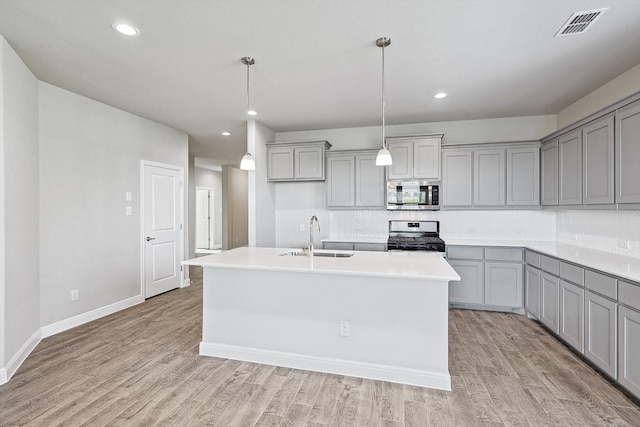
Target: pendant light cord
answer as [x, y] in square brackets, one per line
[384, 142]
[248, 99]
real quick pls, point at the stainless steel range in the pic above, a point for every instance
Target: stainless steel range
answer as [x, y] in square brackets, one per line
[415, 236]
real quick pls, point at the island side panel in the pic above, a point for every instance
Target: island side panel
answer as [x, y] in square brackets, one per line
[398, 327]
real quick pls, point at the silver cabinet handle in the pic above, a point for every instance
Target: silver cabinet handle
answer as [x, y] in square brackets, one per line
[150, 238]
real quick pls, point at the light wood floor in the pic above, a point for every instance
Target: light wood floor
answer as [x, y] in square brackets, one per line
[140, 367]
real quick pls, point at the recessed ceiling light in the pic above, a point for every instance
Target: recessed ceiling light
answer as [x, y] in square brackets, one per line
[226, 133]
[126, 29]
[440, 95]
[252, 113]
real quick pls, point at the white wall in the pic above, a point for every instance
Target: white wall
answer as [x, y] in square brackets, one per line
[262, 194]
[617, 89]
[455, 132]
[19, 211]
[90, 157]
[212, 179]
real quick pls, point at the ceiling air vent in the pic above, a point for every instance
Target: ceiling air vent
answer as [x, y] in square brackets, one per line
[580, 22]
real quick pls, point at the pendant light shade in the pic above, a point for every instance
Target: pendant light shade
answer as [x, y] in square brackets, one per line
[248, 163]
[384, 156]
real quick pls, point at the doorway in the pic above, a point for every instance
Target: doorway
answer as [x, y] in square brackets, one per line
[205, 234]
[162, 230]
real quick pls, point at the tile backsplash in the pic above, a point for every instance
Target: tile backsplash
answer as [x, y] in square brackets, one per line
[497, 225]
[608, 231]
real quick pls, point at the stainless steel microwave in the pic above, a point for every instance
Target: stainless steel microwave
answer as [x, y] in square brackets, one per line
[413, 195]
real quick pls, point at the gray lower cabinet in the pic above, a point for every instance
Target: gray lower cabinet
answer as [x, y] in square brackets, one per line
[600, 332]
[503, 284]
[355, 246]
[470, 288]
[549, 177]
[571, 326]
[532, 291]
[628, 154]
[629, 349]
[549, 301]
[491, 277]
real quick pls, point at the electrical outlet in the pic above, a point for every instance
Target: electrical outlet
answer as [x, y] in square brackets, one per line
[74, 295]
[623, 244]
[301, 227]
[345, 328]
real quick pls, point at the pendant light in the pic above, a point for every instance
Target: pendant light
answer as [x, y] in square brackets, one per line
[384, 155]
[248, 163]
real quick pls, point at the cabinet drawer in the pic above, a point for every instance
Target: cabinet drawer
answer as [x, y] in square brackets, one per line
[503, 254]
[629, 294]
[604, 285]
[533, 259]
[465, 252]
[572, 273]
[550, 265]
[372, 247]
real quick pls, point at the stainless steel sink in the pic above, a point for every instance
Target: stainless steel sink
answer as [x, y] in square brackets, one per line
[319, 252]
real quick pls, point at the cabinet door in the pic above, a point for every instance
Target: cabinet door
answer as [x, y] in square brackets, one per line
[549, 307]
[370, 184]
[597, 162]
[549, 173]
[532, 292]
[340, 181]
[489, 178]
[523, 176]
[503, 284]
[280, 163]
[309, 163]
[600, 332]
[629, 349]
[426, 159]
[469, 290]
[572, 315]
[456, 177]
[402, 155]
[628, 154]
[570, 149]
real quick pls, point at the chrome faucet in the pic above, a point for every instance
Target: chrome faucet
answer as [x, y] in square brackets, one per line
[313, 218]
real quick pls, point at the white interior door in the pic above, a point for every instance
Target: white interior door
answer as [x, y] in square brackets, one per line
[162, 226]
[203, 218]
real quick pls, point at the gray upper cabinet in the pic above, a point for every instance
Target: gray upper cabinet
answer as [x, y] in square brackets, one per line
[354, 181]
[415, 157]
[296, 161]
[523, 176]
[489, 177]
[597, 162]
[340, 180]
[549, 181]
[457, 177]
[570, 168]
[370, 183]
[628, 154]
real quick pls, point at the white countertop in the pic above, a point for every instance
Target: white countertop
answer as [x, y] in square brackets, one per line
[415, 265]
[606, 262]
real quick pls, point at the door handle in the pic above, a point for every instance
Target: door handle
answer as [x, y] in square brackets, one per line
[150, 238]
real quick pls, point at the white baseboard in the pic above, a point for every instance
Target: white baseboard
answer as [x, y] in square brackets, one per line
[7, 372]
[185, 283]
[89, 316]
[350, 368]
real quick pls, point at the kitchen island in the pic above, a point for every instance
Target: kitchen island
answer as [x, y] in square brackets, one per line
[378, 315]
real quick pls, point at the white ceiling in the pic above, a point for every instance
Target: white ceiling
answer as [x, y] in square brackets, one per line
[316, 62]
